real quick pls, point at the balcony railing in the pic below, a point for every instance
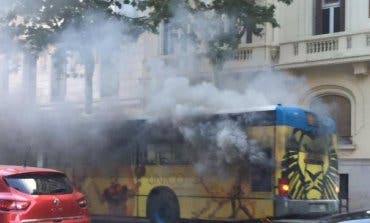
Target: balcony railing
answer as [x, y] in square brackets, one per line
[322, 45]
[248, 56]
[252, 56]
[243, 54]
[325, 49]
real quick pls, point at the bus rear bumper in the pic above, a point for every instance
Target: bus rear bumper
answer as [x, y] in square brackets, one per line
[287, 207]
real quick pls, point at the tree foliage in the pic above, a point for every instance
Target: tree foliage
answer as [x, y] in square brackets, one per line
[239, 16]
[37, 23]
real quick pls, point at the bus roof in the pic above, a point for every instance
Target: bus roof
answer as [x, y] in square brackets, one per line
[251, 109]
[295, 117]
[298, 118]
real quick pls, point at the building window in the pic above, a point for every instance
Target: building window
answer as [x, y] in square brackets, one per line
[329, 16]
[349, 42]
[368, 40]
[339, 108]
[174, 39]
[248, 36]
[295, 49]
[168, 39]
[109, 80]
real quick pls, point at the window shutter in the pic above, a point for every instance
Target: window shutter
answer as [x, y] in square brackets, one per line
[249, 36]
[165, 39]
[318, 17]
[344, 116]
[342, 23]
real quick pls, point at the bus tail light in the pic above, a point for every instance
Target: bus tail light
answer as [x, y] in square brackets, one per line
[337, 190]
[283, 187]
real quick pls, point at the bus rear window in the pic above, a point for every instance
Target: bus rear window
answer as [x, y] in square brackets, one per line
[40, 184]
[311, 119]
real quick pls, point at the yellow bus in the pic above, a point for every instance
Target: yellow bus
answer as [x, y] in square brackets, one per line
[165, 180]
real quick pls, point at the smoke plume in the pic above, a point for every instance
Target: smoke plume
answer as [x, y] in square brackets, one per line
[173, 99]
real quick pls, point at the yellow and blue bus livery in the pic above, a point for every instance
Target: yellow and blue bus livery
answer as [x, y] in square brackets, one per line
[163, 182]
[308, 180]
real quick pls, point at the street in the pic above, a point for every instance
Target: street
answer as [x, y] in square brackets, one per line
[105, 219]
[207, 110]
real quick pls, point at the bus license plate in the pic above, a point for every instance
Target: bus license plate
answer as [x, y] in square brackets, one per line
[317, 208]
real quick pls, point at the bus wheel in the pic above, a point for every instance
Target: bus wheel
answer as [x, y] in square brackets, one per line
[163, 207]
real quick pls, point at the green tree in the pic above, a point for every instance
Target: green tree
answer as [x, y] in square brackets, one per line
[35, 24]
[45, 19]
[241, 15]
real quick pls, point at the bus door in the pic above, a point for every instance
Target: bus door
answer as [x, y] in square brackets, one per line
[261, 171]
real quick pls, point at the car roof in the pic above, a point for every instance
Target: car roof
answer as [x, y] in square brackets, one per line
[6, 170]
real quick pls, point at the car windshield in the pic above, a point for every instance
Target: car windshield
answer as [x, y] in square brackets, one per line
[40, 184]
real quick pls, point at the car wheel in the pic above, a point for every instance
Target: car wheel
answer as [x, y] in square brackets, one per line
[163, 208]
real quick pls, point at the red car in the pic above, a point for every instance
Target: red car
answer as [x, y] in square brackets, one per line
[30, 195]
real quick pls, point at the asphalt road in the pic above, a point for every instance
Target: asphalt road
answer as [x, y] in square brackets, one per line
[105, 219]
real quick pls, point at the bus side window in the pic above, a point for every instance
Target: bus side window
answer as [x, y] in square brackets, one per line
[151, 156]
[162, 154]
[165, 157]
[261, 173]
[181, 154]
[158, 154]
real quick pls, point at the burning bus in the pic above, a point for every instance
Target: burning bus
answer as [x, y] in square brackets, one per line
[269, 162]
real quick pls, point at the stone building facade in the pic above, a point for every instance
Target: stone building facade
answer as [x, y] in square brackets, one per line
[325, 41]
[328, 42]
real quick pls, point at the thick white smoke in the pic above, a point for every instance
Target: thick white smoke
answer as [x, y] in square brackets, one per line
[175, 96]
[172, 96]
[60, 129]
[221, 144]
